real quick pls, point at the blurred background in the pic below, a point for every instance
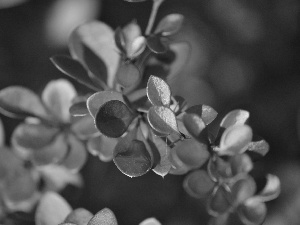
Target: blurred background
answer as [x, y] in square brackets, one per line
[245, 54]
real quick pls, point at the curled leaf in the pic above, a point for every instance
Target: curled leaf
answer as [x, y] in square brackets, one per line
[113, 118]
[104, 217]
[271, 189]
[235, 117]
[96, 100]
[162, 120]
[158, 91]
[169, 25]
[198, 184]
[235, 140]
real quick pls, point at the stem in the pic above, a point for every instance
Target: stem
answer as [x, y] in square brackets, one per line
[155, 6]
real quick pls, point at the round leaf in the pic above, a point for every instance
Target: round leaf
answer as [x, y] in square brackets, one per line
[252, 212]
[158, 91]
[271, 189]
[58, 96]
[113, 118]
[52, 209]
[18, 101]
[96, 100]
[99, 38]
[104, 217]
[157, 44]
[235, 117]
[73, 69]
[198, 184]
[131, 156]
[103, 147]
[162, 120]
[169, 25]
[128, 75]
[79, 109]
[79, 216]
[235, 140]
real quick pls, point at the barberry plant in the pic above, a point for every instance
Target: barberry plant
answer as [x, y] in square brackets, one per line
[131, 116]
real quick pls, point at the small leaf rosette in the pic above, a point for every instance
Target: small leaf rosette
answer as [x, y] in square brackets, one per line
[48, 135]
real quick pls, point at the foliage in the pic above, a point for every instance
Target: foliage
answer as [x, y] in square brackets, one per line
[129, 116]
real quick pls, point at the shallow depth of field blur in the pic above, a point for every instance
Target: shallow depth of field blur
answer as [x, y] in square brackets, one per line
[245, 54]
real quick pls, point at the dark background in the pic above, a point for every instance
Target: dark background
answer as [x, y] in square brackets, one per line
[245, 55]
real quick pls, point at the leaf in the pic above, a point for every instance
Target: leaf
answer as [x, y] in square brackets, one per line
[182, 51]
[219, 201]
[16, 198]
[79, 216]
[162, 120]
[164, 165]
[198, 184]
[103, 147]
[76, 156]
[51, 210]
[235, 117]
[2, 134]
[205, 112]
[252, 212]
[99, 38]
[52, 153]
[73, 69]
[16, 101]
[271, 189]
[137, 46]
[218, 168]
[195, 127]
[169, 25]
[242, 189]
[235, 140]
[240, 164]
[79, 109]
[191, 153]
[260, 147]
[128, 75]
[113, 118]
[85, 128]
[96, 100]
[56, 177]
[120, 40]
[131, 155]
[58, 96]
[150, 221]
[30, 137]
[158, 91]
[157, 44]
[104, 217]
[9, 164]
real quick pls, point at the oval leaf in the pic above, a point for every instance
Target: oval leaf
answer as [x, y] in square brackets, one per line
[163, 120]
[79, 216]
[113, 118]
[96, 100]
[252, 211]
[128, 75]
[99, 39]
[52, 209]
[104, 217]
[235, 117]
[16, 101]
[195, 126]
[131, 156]
[73, 69]
[170, 24]
[198, 184]
[137, 47]
[158, 91]
[79, 109]
[235, 140]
